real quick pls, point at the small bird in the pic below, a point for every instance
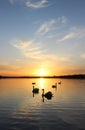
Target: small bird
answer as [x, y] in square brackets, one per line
[59, 82]
[47, 95]
[54, 86]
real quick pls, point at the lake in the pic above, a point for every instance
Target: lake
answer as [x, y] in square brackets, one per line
[20, 109]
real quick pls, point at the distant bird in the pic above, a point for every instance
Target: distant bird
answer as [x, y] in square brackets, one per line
[54, 86]
[47, 95]
[59, 82]
[35, 90]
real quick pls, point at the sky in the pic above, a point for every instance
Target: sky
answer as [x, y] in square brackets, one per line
[42, 37]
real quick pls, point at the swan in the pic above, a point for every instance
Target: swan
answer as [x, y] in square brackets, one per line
[54, 86]
[35, 90]
[47, 95]
[59, 82]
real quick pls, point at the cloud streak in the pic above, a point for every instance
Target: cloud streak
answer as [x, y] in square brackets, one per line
[67, 37]
[52, 25]
[31, 4]
[20, 44]
[75, 33]
[33, 50]
[29, 48]
[46, 27]
[37, 5]
[62, 19]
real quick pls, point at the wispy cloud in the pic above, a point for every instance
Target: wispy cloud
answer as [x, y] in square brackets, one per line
[31, 3]
[67, 37]
[21, 44]
[52, 25]
[29, 48]
[63, 19]
[46, 27]
[37, 5]
[74, 33]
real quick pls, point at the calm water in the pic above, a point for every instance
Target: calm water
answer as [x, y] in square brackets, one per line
[21, 110]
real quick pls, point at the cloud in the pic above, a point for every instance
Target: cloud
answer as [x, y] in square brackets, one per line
[46, 27]
[29, 48]
[37, 5]
[63, 19]
[31, 4]
[53, 26]
[20, 44]
[67, 37]
[74, 33]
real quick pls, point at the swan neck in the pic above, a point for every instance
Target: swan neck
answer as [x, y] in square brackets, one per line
[43, 92]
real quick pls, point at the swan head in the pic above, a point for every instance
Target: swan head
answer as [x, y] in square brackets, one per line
[33, 83]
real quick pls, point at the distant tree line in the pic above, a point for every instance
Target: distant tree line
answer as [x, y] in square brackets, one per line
[1, 77]
[75, 76]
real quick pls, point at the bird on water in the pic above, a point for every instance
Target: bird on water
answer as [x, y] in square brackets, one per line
[35, 90]
[54, 86]
[47, 95]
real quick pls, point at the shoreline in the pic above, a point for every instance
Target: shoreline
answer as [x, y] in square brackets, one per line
[75, 76]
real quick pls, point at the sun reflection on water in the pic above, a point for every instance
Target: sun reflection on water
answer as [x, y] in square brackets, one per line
[42, 83]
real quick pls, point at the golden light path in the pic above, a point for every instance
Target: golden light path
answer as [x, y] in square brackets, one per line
[42, 83]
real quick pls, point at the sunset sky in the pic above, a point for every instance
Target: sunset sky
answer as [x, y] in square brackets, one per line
[42, 37]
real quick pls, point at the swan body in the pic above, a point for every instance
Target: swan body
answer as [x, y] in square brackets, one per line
[54, 86]
[59, 82]
[48, 95]
[35, 90]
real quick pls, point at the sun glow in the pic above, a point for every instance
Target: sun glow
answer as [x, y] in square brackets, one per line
[42, 72]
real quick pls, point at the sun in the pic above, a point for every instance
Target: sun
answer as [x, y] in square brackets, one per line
[42, 72]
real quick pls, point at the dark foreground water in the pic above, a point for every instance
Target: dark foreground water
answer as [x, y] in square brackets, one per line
[20, 109]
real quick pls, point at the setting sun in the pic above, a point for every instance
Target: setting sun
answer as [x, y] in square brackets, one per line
[42, 72]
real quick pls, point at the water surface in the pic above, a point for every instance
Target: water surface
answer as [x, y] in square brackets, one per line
[20, 109]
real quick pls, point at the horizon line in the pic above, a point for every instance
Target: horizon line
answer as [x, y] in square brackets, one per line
[80, 76]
